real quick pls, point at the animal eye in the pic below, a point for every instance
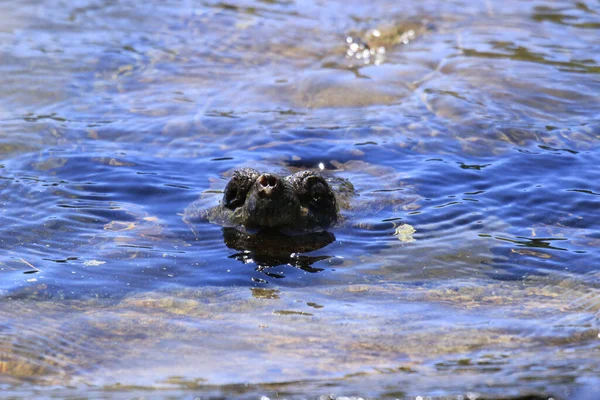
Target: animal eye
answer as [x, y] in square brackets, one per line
[232, 198]
[238, 187]
[317, 190]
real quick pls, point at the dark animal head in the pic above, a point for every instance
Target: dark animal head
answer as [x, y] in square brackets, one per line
[300, 201]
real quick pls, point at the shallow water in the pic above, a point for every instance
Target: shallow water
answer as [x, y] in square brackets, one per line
[479, 129]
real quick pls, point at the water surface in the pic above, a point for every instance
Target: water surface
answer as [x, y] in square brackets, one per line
[477, 125]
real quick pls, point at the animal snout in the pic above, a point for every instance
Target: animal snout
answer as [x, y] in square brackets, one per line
[267, 185]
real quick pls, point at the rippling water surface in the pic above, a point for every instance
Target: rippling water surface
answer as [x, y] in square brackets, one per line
[475, 123]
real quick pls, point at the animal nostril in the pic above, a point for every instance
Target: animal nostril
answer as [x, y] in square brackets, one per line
[267, 180]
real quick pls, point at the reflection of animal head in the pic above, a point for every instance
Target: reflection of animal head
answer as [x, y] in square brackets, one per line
[302, 201]
[269, 248]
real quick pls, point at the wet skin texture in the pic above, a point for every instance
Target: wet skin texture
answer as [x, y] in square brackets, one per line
[302, 201]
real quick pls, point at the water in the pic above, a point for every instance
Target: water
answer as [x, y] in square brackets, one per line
[477, 125]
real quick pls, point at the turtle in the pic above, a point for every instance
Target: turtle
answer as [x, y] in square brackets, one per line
[300, 202]
[273, 219]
